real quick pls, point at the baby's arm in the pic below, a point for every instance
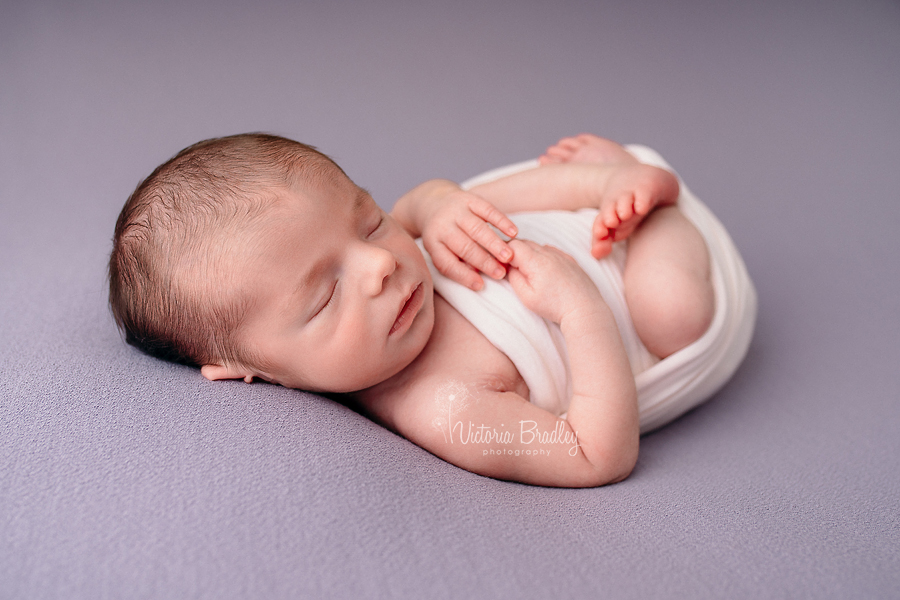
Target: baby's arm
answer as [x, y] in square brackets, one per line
[603, 408]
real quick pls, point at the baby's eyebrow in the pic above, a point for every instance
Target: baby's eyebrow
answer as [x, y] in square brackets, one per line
[362, 198]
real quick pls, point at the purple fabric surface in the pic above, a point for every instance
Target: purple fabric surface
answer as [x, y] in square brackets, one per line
[123, 477]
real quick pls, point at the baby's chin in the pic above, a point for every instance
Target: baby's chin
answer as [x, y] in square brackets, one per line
[398, 366]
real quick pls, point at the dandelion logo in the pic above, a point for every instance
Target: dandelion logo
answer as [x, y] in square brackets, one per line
[451, 398]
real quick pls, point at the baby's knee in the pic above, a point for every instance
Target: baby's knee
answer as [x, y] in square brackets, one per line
[672, 311]
[690, 314]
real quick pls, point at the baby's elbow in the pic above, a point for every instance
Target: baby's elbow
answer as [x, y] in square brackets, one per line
[616, 466]
[619, 473]
[598, 477]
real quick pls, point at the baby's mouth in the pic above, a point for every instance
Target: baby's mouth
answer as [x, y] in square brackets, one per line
[408, 311]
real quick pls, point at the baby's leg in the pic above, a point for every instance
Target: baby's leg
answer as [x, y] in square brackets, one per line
[667, 282]
[667, 285]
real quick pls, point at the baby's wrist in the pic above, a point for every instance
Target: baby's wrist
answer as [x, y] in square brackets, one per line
[434, 194]
[436, 190]
[415, 209]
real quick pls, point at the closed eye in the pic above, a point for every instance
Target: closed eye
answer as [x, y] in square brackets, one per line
[331, 297]
[378, 225]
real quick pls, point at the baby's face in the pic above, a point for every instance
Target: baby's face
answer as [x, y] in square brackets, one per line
[341, 296]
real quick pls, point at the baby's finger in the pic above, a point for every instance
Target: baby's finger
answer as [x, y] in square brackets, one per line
[473, 254]
[485, 237]
[491, 214]
[516, 278]
[451, 267]
[523, 252]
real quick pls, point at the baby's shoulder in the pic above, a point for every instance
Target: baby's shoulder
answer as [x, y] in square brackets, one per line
[457, 361]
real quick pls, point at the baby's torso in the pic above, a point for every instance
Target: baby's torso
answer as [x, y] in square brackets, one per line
[457, 355]
[458, 350]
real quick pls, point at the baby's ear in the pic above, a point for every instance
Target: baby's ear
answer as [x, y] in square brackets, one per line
[216, 372]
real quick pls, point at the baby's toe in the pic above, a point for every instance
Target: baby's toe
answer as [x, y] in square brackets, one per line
[599, 231]
[584, 139]
[643, 204]
[557, 154]
[610, 217]
[625, 231]
[625, 208]
[570, 143]
[602, 248]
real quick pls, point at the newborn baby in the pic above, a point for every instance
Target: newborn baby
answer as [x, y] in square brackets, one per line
[254, 256]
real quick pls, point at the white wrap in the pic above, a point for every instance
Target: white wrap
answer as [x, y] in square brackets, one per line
[666, 388]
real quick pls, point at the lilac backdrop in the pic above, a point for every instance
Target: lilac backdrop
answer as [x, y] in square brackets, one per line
[122, 477]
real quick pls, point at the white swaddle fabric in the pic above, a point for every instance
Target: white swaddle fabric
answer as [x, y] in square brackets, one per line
[666, 388]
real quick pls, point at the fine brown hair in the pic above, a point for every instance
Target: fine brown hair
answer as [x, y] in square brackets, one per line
[170, 289]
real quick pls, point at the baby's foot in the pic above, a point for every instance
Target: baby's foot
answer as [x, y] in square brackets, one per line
[633, 192]
[616, 220]
[585, 148]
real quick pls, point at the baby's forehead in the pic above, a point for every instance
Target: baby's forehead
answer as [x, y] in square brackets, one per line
[334, 195]
[307, 212]
[327, 176]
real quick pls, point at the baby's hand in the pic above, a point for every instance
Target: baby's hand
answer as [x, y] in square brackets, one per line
[460, 241]
[550, 282]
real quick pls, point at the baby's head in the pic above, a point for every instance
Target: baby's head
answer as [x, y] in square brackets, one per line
[256, 256]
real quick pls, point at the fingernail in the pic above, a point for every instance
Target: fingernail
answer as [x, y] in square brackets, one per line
[499, 274]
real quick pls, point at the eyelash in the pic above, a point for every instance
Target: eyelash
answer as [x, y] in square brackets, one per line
[380, 223]
[330, 300]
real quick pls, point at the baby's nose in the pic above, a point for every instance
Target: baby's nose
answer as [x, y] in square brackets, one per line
[381, 264]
